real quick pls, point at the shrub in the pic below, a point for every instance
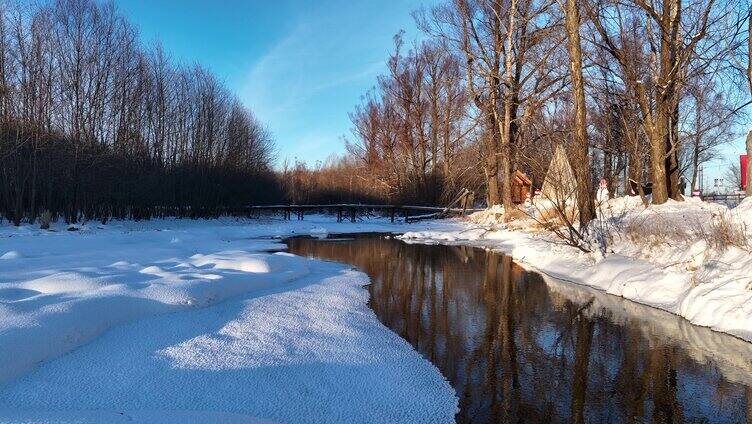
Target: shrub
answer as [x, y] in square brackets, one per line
[44, 220]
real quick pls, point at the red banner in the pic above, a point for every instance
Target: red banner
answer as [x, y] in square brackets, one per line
[743, 160]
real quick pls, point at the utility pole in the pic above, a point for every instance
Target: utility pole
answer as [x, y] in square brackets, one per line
[702, 179]
[749, 164]
[749, 80]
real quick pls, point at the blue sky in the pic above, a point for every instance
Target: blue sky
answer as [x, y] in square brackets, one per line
[300, 65]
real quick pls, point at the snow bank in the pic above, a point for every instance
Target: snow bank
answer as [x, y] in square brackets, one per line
[313, 352]
[676, 257]
[729, 354]
[490, 216]
[42, 317]
[744, 209]
[125, 416]
[256, 334]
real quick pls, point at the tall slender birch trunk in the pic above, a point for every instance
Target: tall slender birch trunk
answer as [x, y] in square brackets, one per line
[506, 148]
[580, 157]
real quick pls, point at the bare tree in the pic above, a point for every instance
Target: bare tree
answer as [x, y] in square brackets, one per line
[411, 131]
[512, 68]
[93, 125]
[710, 125]
[580, 154]
[674, 30]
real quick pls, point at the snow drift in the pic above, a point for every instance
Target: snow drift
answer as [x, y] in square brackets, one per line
[176, 320]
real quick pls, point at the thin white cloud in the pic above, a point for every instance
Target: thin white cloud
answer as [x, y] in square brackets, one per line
[306, 82]
[299, 66]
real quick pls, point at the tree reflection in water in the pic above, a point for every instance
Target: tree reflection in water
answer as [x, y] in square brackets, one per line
[517, 349]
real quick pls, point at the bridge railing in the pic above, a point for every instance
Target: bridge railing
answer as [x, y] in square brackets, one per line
[351, 210]
[728, 199]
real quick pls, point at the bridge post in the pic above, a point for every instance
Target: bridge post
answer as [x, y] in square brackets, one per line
[339, 213]
[352, 214]
[391, 212]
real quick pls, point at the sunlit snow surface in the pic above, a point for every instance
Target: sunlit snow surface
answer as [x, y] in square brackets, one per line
[193, 322]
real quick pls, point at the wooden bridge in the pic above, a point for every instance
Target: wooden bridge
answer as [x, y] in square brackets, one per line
[459, 206]
[350, 211]
[730, 199]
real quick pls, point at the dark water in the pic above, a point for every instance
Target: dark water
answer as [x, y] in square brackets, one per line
[518, 348]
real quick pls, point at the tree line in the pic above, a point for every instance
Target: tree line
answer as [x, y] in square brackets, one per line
[95, 125]
[643, 90]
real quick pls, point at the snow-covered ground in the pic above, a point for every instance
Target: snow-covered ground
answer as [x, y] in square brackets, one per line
[691, 258]
[196, 321]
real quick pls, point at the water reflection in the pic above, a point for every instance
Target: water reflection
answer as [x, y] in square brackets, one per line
[518, 348]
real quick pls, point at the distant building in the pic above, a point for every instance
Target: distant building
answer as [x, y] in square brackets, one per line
[521, 186]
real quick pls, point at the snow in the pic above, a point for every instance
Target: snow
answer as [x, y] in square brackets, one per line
[10, 255]
[744, 209]
[199, 316]
[116, 417]
[179, 320]
[729, 354]
[313, 354]
[689, 258]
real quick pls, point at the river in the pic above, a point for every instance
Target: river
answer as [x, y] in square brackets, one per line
[518, 347]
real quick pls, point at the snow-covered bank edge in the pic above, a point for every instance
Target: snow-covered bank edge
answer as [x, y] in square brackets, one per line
[729, 353]
[722, 300]
[311, 351]
[60, 289]
[117, 417]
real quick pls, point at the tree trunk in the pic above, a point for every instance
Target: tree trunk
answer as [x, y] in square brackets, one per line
[695, 172]
[491, 163]
[749, 164]
[580, 368]
[580, 157]
[672, 153]
[672, 124]
[697, 143]
[608, 169]
[658, 170]
[506, 148]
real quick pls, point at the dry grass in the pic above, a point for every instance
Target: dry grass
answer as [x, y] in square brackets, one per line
[550, 217]
[721, 231]
[725, 230]
[655, 230]
[517, 214]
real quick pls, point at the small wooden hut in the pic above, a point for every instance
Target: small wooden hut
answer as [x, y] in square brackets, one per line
[521, 186]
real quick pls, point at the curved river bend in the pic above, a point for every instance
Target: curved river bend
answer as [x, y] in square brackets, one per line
[521, 348]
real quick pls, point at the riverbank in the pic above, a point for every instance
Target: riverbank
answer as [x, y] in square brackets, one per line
[204, 306]
[689, 258]
[174, 320]
[491, 328]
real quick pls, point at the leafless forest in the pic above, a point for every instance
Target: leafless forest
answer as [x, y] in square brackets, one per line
[96, 125]
[640, 89]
